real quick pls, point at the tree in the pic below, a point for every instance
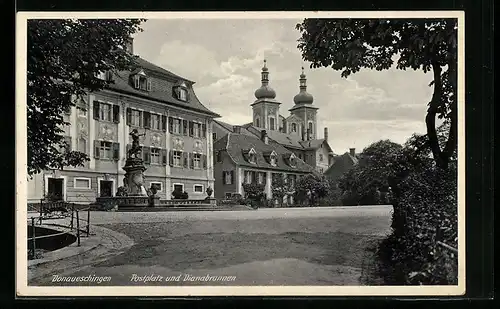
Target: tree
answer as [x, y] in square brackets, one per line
[420, 44]
[279, 188]
[254, 192]
[64, 59]
[311, 187]
[380, 166]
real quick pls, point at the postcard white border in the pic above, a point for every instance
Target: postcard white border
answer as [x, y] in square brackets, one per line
[22, 288]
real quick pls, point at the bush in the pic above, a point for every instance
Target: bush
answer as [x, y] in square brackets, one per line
[254, 193]
[426, 211]
[179, 195]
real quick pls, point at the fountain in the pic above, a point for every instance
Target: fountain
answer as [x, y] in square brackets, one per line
[132, 194]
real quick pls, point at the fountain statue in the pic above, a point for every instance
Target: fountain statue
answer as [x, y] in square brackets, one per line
[134, 168]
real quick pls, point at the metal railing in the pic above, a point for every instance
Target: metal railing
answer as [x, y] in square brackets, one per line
[67, 210]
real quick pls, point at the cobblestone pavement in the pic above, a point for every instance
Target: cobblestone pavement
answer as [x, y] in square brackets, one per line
[306, 246]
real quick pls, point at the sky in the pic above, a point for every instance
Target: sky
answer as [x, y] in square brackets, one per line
[224, 58]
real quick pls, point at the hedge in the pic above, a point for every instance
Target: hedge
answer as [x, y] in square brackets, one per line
[424, 218]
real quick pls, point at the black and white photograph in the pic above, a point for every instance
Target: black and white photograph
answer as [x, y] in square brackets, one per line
[240, 153]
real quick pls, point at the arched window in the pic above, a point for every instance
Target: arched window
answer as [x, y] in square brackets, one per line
[257, 122]
[311, 128]
[294, 127]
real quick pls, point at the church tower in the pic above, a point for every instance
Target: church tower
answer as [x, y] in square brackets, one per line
[304, 110]
[266, 108]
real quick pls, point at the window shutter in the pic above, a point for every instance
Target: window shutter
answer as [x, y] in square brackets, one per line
[129, 115]
[116, 113]
[141, 119]
[184, 155]
[136, 81]
[97, 149]
[67, 139]
[96, 110]
[232, 177]
[116, 151]
[224, 177]
[148, 85]
[146, 155]
[170, 124]
[204, 159]
[164, 156]
[185, 127]
[171, 158]
[147, 120]
[191, 128]
[164, 123]
[204, 130]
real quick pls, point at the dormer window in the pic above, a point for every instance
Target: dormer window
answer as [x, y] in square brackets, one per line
[250, 155]
[104, 75]
[181, 92]
[272, 159]
[291, 159]
[141, 81]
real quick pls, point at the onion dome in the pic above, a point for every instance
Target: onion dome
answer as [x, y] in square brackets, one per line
[303, 97]
[265, 91]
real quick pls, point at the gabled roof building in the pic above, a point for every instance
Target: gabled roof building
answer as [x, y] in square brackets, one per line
[244, 158]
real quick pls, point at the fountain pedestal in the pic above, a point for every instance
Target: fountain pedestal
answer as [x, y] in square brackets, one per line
[133, 195]
[134, 177]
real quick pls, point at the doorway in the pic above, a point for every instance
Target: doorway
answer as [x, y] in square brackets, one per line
[106, 188]
[55, 189]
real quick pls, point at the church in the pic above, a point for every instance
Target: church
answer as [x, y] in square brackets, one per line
[271, 144]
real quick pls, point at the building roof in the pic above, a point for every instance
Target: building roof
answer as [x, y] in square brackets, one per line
[341, 164]
[162, 90]
[284, 139]
[312, 144]
[236, 144]
[287, 140]
[229, 127]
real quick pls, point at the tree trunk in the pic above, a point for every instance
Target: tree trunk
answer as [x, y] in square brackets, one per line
[451, 144]
[430, 119]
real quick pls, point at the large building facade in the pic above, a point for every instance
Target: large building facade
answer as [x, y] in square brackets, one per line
[176, 146]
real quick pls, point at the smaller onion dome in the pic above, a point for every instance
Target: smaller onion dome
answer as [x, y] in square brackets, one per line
[303, 97]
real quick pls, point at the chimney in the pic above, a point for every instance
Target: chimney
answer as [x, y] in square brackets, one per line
[308, 134]
[263, 137]
[352, 151]
[129, 45]
[237, 129]
[326, 134]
